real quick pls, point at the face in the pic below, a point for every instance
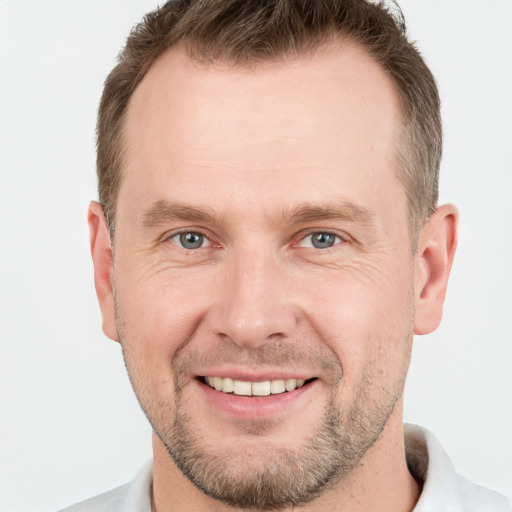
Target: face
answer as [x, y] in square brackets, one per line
[262, 247]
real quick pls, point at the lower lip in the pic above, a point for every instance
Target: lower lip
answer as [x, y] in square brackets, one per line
[250, 408]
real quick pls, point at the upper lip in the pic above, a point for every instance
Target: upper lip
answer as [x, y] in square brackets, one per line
[254, 376]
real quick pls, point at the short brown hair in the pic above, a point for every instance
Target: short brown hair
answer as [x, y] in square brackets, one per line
[247, 31]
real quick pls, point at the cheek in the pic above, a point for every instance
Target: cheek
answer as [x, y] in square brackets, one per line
[159, 302]
[364, 314]
[157, 314]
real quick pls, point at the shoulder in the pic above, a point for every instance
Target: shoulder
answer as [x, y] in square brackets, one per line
[111, 501]
[132, 497]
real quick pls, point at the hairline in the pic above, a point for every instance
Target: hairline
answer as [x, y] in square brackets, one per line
[404, 142]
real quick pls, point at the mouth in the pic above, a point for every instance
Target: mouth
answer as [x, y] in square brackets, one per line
[263, 388]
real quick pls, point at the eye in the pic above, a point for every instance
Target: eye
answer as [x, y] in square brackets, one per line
[190, 240]
[320, 240]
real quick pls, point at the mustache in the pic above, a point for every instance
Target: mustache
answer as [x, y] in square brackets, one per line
[275, 354]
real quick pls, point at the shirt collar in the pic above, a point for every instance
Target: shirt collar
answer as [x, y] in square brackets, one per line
[443, 489]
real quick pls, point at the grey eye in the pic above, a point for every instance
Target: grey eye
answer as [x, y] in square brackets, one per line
[190, 240]
[323, 240]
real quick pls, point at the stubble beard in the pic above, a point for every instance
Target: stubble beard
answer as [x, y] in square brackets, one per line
[277, 478]
[266, 480]
[280, 478]
[272, 478]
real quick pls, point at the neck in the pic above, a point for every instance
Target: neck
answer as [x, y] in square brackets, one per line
[380, 482]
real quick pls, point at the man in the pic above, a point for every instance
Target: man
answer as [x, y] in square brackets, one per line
[266, 244]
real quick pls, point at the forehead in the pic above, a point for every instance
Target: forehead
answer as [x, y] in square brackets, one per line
[301, 123]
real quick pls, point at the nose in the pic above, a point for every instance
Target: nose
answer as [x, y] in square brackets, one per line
[255, 304]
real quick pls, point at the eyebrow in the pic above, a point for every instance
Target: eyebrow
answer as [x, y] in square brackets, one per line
[342, 210]
[163, 211]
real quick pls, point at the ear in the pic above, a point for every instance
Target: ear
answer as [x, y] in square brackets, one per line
[434, 259]
[101, 251]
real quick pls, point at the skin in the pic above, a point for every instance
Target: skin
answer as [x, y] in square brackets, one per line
[257, 160]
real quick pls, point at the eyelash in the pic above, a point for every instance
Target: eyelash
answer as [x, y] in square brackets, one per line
[338, 239]
[300, 239]
[190, 232]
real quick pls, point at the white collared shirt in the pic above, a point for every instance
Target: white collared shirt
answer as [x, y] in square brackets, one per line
[443, 489]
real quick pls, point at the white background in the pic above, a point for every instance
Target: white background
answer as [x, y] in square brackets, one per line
[69, 425]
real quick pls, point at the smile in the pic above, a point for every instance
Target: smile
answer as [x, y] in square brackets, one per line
[264, 388]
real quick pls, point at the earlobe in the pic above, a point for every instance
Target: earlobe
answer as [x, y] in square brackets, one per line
[434, 259]
[101, 251]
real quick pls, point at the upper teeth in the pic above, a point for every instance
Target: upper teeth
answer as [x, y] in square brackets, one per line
[264, 388]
